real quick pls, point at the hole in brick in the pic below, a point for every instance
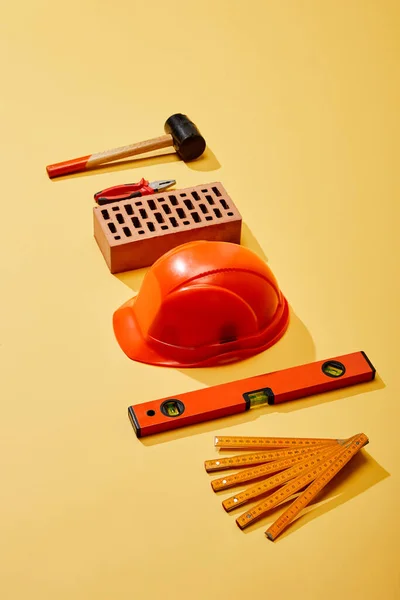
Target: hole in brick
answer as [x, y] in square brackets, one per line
[181, 213]
[195, 196]
[127, 231]
[186, 223]
[173, 199]
[209, 218]
[129, 209]
[115, 208]
[210, 200]
[196, 217]
[105, 214]
[217, 213]
[183, 195]
[120, 218]
[117, 237]
[161, 199]
[140, 232]
[136, 222]
[159, 217]
[138, 203]
[164, 226]
[230, 214]
[189, 204]
[143, 213]
[174, 222]
[166, 209]
[204, 191]
[152, 204]
[216, 191]
[204, 208]
[112, 227]
[224, 204]
[151, 226]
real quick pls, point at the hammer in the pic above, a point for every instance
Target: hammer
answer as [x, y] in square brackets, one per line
[181, 133]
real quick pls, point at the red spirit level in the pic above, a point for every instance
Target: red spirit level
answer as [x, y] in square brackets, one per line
[238, 396]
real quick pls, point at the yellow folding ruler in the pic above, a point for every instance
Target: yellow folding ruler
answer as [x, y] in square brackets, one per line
[284, 467]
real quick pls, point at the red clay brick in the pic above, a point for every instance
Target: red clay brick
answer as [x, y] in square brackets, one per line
[134, 233]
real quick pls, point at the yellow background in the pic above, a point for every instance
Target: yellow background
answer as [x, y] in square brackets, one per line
[299, 103]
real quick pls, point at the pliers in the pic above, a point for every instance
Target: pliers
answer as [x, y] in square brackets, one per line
[126, 191]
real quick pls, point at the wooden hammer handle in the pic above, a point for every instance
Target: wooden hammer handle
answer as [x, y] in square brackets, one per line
[92, 160]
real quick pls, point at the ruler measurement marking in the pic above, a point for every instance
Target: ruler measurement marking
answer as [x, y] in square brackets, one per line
[247, 460]
[248, 443]
[301, 481]
[314, 489]
[247, 475]
[277, 480]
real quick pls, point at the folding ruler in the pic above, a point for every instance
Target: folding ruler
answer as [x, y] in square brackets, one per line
[284, 467]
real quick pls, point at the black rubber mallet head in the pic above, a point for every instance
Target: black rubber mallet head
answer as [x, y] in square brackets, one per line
[187, 139]
[181, 133]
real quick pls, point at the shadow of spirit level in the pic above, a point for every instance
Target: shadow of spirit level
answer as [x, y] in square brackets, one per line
[232, 398]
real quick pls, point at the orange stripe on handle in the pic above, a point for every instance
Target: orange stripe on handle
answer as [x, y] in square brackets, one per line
[75, 165]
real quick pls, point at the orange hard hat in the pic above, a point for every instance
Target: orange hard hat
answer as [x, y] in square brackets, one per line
[202, 304]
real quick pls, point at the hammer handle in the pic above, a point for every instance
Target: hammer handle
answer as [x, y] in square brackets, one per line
[85, 163]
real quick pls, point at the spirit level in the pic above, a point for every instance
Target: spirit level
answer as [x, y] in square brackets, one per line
[235, 397]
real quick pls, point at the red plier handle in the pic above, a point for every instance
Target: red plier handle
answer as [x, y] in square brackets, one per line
[123, 192]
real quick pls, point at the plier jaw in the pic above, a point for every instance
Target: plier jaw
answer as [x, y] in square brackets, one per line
[126, 191]
[161, 184]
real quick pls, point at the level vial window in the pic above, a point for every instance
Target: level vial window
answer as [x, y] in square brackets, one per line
[258, 397]
[172, 408]
[333, 368]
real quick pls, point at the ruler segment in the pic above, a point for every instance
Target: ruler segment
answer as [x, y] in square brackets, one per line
[263, 470]
[305, 466]
[257, 458]
[293, 486]
[315, 488]
[264, 443]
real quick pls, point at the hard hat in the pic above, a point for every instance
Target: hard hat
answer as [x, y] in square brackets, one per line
[202, 304]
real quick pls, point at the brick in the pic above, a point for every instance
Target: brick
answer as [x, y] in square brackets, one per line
[134, 233]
